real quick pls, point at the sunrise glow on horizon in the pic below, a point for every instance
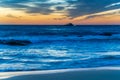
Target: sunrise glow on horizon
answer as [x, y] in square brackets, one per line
[59, 12]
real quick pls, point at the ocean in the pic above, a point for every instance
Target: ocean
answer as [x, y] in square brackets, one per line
[33, 47]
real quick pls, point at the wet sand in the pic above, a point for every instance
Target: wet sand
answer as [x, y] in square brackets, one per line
[105, 73]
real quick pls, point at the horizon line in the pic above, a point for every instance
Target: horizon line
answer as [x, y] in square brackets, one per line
[59, 24]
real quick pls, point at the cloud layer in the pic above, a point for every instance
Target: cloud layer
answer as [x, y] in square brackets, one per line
[72, 8]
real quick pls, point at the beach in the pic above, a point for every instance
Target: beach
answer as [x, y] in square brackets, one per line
[104, 73]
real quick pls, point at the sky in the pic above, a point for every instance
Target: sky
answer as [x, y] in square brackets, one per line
[52, 12]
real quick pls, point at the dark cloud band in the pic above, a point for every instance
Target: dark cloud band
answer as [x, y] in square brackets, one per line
[74, 8]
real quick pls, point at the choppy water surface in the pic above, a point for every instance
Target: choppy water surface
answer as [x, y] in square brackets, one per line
[59, 47]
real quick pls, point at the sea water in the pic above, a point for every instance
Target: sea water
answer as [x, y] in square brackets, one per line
[59, 47]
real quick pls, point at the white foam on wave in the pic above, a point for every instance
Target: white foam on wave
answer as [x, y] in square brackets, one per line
[109, 53]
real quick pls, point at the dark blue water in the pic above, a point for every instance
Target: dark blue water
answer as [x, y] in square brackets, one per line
[59, 47]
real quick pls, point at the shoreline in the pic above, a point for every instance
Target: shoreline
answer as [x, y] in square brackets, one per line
[101, 73]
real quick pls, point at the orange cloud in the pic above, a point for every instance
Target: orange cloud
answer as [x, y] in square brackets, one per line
[19, 17]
